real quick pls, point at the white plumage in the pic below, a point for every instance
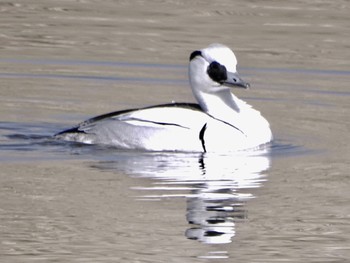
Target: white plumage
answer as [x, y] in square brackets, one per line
[220, 123]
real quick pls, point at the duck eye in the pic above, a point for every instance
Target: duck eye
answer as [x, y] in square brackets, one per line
[217, 72]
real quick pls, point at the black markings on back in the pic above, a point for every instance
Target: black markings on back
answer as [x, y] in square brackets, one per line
[217, 72]
[195, 54]
[80, 127]
[201, 136]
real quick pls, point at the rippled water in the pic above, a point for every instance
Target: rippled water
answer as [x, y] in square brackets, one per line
[63, 62]
[214, 187]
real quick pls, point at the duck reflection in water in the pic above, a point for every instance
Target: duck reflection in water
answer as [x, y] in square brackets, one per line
[216, 187]
[217, 203]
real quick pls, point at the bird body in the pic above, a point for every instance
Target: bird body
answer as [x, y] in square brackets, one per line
[220, 122]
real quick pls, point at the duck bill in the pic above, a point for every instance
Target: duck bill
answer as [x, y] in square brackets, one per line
[234, 80]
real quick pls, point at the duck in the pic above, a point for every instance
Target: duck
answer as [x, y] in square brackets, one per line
[218, 122]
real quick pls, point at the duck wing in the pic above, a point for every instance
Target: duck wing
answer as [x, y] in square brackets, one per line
[173, 127]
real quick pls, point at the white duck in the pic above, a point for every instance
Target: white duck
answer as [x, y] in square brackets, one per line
[220, 123]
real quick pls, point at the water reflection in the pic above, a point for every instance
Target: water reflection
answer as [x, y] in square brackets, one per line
[216, 187]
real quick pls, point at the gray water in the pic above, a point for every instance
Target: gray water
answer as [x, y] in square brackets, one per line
[63, 62]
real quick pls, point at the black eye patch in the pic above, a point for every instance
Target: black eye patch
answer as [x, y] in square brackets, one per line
[217, 72]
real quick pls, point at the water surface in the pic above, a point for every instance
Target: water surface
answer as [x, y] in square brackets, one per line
[64, 62]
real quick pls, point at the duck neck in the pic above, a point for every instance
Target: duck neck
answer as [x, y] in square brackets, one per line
[220, 104]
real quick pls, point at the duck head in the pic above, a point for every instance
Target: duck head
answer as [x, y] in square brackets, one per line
[212, 71]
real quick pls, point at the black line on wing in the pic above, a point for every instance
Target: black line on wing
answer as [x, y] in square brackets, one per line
[71, 130]
[77, 129]
[201, 136]
[117, 113]
[156, 122]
